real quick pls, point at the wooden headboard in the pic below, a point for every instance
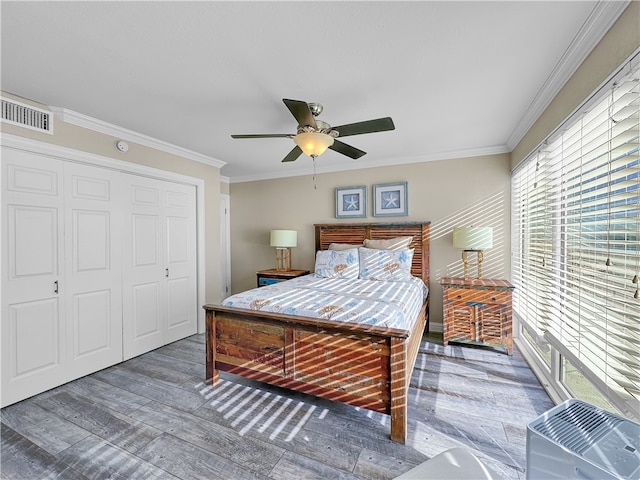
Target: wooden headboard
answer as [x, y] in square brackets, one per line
[356, 233]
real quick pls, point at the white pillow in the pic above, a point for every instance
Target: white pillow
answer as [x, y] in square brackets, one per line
[391, 265]
[342, 246]
[397, 243]
[337, 263]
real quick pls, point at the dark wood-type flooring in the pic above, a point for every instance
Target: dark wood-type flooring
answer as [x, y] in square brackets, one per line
[153, 417]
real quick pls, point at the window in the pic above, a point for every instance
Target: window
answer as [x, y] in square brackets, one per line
[576, 244]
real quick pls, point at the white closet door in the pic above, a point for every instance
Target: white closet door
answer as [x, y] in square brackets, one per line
[159, 269]
[97, 266]
[93, 273]
[144, 319]
[180, 255]
[33, 326]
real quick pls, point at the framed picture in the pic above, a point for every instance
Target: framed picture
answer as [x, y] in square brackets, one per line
[351, 202]
[390, 200]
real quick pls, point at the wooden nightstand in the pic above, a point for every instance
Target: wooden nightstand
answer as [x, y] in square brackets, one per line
[267, 277]
[477, 311]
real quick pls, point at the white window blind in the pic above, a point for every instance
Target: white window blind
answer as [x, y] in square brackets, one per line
[576, 241]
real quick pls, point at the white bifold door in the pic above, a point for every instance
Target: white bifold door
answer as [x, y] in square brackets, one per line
[92, 285]
[98, 266]
[62, 300]
[159, 294]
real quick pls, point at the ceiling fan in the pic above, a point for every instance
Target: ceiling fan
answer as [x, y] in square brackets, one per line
[313, 136]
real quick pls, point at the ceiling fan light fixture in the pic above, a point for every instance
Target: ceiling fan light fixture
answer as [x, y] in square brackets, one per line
[313, 144]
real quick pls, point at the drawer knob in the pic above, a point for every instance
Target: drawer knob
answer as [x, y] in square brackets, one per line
[493, 299]
[459, 297]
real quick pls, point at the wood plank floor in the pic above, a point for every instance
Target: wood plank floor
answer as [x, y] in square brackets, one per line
[153, 417]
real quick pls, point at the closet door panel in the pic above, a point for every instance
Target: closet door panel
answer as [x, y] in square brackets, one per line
[182, 319]
[31, 174]
[35, 323]
[144, 287]
[33, 250]
[93, 234]
[147, 328]
[91, 249]
[177, 304]
[146, 242]
[32, 330]
[92, 323]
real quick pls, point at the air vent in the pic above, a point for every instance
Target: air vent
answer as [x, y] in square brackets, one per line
[26, 116]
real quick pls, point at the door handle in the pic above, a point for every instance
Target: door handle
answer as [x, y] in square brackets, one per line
[166, 272]
[55, 286]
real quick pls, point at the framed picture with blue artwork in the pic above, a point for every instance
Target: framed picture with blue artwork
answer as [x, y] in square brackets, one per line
[390, 200]
[351, 202]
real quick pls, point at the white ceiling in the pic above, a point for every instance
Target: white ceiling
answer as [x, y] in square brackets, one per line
[458, 78]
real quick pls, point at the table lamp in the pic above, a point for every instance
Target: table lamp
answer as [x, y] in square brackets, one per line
[283, 240]
[472, 239]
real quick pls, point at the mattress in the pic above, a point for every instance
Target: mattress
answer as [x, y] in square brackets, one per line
[389, 304]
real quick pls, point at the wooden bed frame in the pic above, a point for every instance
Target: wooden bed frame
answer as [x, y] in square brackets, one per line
[360, 365]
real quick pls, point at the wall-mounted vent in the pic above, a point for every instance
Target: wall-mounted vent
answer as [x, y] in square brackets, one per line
[27, 116]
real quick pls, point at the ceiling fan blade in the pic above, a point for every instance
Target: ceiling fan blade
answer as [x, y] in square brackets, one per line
[347, 150]
[300, 110]
[264, 135]
[369, 126]
[293, 154]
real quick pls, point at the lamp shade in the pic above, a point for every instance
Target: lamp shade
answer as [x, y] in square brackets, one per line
[284, 238]
[473, 238]
[313, 143]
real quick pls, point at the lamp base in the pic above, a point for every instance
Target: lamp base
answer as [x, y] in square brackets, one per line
[465, 262]
[283, 259]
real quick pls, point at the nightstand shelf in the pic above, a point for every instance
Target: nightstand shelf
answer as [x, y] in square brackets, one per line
[268, 277]
[477, 311]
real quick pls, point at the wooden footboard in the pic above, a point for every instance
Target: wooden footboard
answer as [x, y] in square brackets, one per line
[368, 367]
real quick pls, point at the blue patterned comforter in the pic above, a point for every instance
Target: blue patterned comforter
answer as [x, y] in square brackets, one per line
[392, 304]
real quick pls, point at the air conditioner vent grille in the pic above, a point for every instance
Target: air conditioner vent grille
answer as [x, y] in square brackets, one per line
[577, 427]
[27, 116]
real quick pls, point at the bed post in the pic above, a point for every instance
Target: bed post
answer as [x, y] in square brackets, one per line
[212, 374]
[398, 387]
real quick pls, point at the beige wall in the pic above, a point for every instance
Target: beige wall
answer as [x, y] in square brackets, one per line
[622, 39]
[78, 138]
[448, 193]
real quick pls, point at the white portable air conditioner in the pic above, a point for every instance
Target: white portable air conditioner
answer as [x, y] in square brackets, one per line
[576, 440]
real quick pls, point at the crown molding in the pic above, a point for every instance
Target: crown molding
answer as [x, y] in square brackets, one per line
[60, 152]
[90, 123]
[346, 166]
[601, 19]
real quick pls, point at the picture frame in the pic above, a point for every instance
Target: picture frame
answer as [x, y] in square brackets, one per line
[351, 202]
[390, 199]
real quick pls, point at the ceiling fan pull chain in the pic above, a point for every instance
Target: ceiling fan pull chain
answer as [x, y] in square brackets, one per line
[313, 158]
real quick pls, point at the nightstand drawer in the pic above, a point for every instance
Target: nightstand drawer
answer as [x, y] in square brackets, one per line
[478, 296]
[262, 281]
[269, 277]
